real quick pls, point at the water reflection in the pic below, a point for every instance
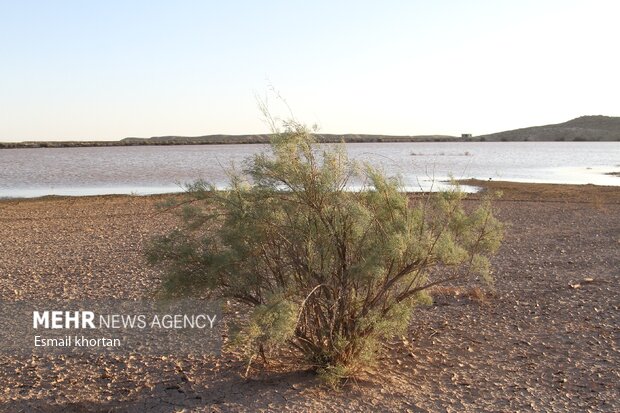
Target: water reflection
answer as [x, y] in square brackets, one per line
[162, 169]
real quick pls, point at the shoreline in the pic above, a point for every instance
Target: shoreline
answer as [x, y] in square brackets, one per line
[567, 193]
[511, 191]
[265, 139]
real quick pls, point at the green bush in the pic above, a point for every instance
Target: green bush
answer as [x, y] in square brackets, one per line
[326, 270]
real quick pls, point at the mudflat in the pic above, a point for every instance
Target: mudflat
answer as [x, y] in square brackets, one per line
[544, 338]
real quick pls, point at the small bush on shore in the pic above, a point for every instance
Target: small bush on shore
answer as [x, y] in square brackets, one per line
[327, 270]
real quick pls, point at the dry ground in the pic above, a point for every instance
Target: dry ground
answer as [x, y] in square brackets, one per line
[544, 339]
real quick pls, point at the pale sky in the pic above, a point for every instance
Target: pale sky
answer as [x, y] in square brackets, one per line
[111, 69]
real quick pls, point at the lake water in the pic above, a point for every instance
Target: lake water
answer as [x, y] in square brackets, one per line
[161, 169]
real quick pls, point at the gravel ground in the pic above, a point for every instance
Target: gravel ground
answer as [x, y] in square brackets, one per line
[545, 338]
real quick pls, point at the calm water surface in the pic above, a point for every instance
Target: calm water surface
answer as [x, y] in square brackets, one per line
[160, 169]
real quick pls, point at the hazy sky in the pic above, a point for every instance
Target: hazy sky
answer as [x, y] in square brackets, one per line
[112, 69]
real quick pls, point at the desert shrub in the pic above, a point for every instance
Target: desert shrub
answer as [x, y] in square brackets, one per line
[325, 269]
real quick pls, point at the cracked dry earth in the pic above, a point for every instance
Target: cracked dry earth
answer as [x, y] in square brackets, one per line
[544, 339]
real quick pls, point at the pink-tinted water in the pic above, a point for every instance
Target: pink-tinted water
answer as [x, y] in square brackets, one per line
[159, 169]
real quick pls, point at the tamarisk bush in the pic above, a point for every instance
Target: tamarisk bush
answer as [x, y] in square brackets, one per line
[324, 268]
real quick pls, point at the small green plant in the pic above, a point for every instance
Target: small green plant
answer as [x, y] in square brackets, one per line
[322, 268]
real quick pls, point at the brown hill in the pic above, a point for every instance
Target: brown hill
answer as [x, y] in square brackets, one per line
[584, 128]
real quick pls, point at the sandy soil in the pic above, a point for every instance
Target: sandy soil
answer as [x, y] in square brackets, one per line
[545, 338]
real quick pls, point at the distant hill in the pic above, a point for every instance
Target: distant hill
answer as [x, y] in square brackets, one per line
[325, 138]
[221, 140]
[584, 128]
